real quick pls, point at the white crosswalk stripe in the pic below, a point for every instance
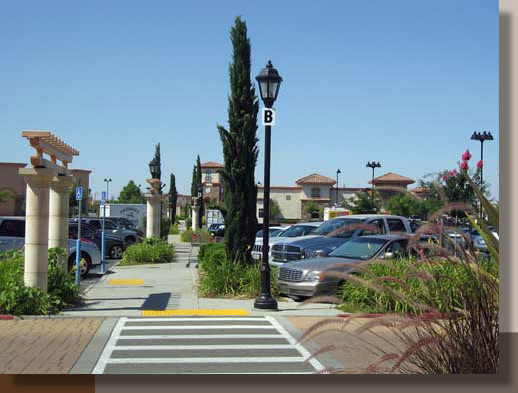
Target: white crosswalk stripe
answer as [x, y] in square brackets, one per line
[228, 345]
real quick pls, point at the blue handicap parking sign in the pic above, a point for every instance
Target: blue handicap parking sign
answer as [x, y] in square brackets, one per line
[103, 198]
[79, 193]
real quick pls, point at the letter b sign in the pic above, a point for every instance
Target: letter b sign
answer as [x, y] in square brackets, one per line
[268, 117]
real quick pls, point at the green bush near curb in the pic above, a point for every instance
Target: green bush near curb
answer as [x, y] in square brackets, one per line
[221, 277]
[449, 278]
[17, 299]
[151, 250]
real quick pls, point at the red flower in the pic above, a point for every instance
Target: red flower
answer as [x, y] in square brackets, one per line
[464, 166]
[445, 178]
[466, 156]
[454, 172]
[479, 165]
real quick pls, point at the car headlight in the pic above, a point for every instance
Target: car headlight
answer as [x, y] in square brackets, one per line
[313, 276]
[481, 242]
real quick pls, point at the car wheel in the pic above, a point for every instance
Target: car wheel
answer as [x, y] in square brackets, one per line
[85, 264]
[116, 252]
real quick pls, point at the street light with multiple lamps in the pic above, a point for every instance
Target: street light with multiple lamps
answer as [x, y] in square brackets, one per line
[103, 247]
[337, 172]
[481, 136]
[372, 165]
[269, 82]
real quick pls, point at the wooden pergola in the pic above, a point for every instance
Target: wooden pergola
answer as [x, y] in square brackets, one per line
[46, 143]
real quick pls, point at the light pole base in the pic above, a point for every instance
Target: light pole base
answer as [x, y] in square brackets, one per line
[265, 302]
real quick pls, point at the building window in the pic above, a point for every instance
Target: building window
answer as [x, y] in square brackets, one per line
[261, 213]
[315, 192]
[288, 197]
[208, 176]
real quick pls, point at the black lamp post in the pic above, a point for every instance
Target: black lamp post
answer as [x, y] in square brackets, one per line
[373, 165]
[269, 82]
[337, 172]
[481, 136]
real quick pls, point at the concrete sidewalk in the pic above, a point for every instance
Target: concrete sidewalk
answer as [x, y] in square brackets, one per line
[129, 290]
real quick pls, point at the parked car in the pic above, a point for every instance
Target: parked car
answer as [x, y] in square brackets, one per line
[128, 236]
[478, 242]
[217, 230]
[293, 233]
[333, 233]
[113, 245]
[124, 223]
[306, 278]
[12, 237]
[272, 232]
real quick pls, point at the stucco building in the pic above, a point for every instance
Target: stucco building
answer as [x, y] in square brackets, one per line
[212, 182]
[14, 183]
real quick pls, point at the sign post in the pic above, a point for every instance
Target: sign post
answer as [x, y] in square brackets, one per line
[79, 197]
[103, 257]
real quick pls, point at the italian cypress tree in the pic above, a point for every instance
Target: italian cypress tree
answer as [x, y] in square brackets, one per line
[172, 198]
[194, 182]
[240, 150]
[157, 158]
[198, 182]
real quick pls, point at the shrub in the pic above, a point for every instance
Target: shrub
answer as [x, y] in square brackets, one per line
[152, 250]
[221, 276]
[187, 235]
[403, 276]
[17, 299]
[454, 325]
[173, 229]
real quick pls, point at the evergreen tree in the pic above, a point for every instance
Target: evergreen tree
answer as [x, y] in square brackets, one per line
[361, 203]
[157, 158]
[198, 182]
[131, 194]
[240, 150]
[172, 198]
[194, 182]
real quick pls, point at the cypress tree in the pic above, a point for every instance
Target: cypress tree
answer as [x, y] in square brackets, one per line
[194, 182]
[198, 182]
[240, 150]
[157, 158]
[172, 198]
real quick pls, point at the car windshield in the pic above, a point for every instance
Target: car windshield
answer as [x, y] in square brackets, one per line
[297, 230]
[333, 225]
[359, 248]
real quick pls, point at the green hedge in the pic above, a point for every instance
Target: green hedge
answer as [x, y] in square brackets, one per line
[151, 250]
[449, 279]
[17, 299]
[220, 276]
[186, 236]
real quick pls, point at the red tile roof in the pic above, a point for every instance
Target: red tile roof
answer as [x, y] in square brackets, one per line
[315, 178]
[392, 178]
[211, 164]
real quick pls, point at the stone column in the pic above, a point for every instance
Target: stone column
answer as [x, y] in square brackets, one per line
[195, 212]
[58, 211]
[153, 215]
[37, 226]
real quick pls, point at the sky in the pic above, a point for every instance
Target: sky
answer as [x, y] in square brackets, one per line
[401, 82]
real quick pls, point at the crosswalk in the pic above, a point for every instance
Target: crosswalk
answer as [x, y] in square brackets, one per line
[198, 345]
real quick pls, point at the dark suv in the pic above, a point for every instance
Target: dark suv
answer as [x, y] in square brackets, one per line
[335, 232]
[113, 245]
[128, 236]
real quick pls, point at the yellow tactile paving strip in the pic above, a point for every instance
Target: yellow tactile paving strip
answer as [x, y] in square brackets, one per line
[125, 282]
[195, 312]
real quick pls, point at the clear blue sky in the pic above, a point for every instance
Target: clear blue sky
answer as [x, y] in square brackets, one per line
[404, 83]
